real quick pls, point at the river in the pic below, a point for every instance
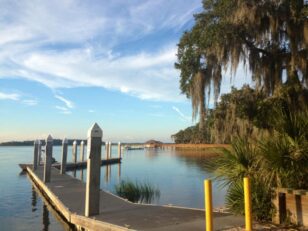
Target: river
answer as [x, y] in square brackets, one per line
[177, 174]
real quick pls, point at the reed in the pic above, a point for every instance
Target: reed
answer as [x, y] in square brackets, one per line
[137, 192]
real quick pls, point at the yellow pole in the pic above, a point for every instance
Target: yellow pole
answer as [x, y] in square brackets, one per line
[247, 197]
[208, 205]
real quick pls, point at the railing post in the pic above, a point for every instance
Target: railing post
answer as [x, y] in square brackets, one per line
[110, 150]
[247, 199]
[119, 150]
[35, 154]
[208, 205]
[94, 148]
[82, 151]
[64, 156]
[74, 150]
[48, 157]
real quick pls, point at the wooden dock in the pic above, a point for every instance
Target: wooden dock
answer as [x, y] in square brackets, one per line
[67, 195]
[78, 165]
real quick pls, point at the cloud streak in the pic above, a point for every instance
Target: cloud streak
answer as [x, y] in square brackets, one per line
[67, 102]
[181, 114]
[9, 96]
[18, 98]
[66, 44]
[63, 110]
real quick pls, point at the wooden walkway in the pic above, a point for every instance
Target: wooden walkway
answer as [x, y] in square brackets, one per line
[67, 195]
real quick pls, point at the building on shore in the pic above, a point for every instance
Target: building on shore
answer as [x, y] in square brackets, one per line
[153, 144]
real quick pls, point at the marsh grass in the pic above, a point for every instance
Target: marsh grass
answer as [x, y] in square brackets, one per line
[137, 192]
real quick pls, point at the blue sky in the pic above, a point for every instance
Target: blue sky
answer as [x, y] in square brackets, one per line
[66, 64]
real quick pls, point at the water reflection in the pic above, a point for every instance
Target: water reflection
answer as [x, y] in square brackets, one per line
[119, 171]
[151, 153]
[81, 174]
[46, 221]
[107, 173]
[195, 157]
[34, 200]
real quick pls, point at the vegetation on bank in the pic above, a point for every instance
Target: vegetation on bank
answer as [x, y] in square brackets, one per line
[56, 142]
[137, 192]
[268, 124]
[245, 113]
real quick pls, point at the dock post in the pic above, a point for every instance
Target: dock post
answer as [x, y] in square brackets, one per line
[82, 151]
[48, 157]
[64, 156]
[74, 150]
[39, 152]
[107, 149]
[35, 155]
[247, 199]
[110, 150]
[119, 150]
[208, 205]
[94, 149]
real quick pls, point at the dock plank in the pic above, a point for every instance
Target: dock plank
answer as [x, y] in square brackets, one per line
[68, 196]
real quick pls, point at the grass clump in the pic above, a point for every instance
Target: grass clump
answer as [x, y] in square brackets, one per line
[137, 192]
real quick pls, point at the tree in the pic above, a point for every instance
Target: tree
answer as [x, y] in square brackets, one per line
[269, 37]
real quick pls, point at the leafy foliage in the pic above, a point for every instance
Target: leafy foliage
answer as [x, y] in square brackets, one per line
[269, 37]
[279, 160]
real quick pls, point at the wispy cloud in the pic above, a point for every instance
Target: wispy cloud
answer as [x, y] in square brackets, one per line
[30, 102]
[9, 96]
[91, 111]
[63, 110]
[18, 97]
[67, 102]
[79, 44]
[181, 114]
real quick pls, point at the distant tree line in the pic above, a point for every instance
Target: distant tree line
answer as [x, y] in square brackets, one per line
[56, 142]
[244, 112]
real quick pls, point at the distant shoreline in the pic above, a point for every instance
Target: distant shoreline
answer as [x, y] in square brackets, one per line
[58, 142]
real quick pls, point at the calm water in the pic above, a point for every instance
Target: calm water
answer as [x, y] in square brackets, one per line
[178, 175]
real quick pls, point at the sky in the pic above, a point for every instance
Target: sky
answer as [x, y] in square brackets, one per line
[66, 64]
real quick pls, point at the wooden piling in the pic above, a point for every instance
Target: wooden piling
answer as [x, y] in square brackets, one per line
[35, 155]
[95, 135]
[82, 151]
[119, 149]
[107, 149]
[48, 158]
[64, 156]
[39, 152]
[74, 151]
[110, 150]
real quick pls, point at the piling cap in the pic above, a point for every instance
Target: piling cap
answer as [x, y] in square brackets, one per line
[95, 131]
[36, 141]
[49, 138]
[82, 142]
[75, 142]
[64, 141]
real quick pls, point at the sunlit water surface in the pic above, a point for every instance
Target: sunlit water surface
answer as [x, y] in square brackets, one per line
[179, 176]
